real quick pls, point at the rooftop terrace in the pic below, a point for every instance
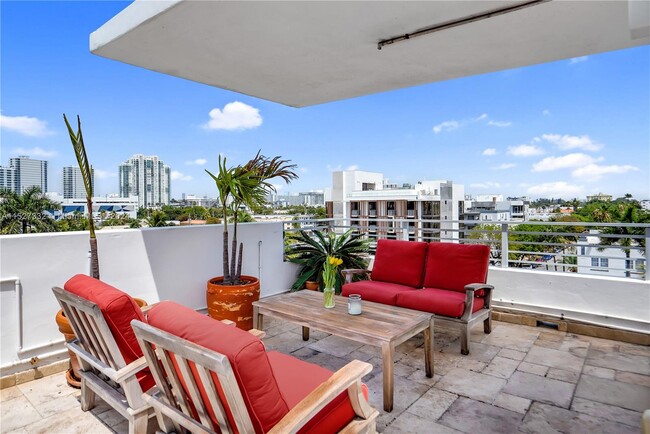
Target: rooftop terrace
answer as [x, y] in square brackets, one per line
[517, 379]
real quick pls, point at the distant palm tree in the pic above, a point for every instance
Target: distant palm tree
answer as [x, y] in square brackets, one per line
[626, 237]
[157, 219]
[21, 214]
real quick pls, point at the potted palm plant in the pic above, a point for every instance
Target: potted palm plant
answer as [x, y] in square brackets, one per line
[231, 295]
[310, 250]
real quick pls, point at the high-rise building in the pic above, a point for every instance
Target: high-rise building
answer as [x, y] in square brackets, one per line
[23, 173]
[146, 177]
[73, 183]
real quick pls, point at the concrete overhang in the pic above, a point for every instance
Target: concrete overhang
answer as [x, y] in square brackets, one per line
[311, 52]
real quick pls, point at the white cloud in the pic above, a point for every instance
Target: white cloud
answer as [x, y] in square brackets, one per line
[504, 166]
[446, 126]
[278, 186]
[481, 118]
[564, 162]
[593, 172]
[499, 123]
[103, 174]
[559, 189]
[488, 184]
[489, 152]
[234, 116]
[25, 125]
[197, 162]
[546, 112]
[580, 59]
[352, 167]
[34, 152]
[178, 176]
[567, 142]
[303, 170]
[525, 150]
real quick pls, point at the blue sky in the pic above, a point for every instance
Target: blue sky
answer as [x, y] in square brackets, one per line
[567, 128]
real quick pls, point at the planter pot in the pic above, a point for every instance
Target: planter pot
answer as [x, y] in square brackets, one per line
[72, 374]
[311, 285]
[233, 302]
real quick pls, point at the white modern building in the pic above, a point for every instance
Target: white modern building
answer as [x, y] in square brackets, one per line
[24, 172]
[368, 200]
[493, 208]
[103, 207]
[609, 261]
[311, 198]
[146, 177]
[73, 183]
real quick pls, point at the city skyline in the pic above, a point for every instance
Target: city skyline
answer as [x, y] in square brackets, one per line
[568, 129]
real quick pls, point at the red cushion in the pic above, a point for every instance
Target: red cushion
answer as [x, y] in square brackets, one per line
[118, 309]
[379, 292]
[297, 379]
[400, 262]
[438, 301]
[452, 266]
[246, 353]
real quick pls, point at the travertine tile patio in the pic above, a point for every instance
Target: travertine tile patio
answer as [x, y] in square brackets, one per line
[518, 379]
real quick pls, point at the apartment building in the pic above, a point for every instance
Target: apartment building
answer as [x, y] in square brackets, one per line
[23, 173]
[369, 201]
[146, 177]
[73, 183]
[491, 208]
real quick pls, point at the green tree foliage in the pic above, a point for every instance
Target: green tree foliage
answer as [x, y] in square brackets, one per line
[310, 250]
[26, 213]
[157, 219]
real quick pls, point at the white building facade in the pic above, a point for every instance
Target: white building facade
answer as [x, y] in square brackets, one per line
[146, 177]
[367, 200]
[23, 173]
[611, 261]
[73, 183]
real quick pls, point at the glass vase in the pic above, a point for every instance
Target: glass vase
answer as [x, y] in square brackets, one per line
[328, 298]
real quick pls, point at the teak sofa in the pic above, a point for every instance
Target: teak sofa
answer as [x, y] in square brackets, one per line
[445, 279]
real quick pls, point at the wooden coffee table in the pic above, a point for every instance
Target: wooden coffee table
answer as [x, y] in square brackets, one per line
[379, 325]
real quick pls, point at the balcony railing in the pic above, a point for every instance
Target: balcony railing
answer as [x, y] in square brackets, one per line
[567, 247]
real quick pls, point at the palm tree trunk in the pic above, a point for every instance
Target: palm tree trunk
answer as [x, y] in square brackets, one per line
[233, 259]
[226, 264]
[239, 261]
[94, 259]
[24, 222]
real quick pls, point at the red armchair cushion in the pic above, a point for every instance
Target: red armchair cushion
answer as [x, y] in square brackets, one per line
[438, 301]
[246, 353]
[452, 266]
[297, 379]
[118, 309]
[379, 292]
[400, 262]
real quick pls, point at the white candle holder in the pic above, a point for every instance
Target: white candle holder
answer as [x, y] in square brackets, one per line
[354, 304]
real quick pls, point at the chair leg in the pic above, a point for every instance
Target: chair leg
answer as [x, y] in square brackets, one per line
[87, 396]
[487, 324]
[139, 423]
[464, 339]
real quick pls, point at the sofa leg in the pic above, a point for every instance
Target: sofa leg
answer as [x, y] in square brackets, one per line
[464, 340]
[487, 324]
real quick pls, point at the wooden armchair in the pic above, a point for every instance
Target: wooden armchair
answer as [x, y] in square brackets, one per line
[104, 371]
[204, 391]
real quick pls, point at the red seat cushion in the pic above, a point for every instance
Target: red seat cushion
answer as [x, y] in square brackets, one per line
[452, 266]
[379, 292]
[438, 301]
[118, 309]
[246, 353]
[297, 379]
[400, 262]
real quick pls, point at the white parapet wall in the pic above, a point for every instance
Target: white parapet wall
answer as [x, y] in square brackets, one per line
[154, 264]
[608, 301]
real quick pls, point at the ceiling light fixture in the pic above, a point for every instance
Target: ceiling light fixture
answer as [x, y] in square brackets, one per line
[460, 22]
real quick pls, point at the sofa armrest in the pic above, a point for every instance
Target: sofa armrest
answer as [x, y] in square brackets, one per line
[351, 272]
[470, 293]
[348, 377]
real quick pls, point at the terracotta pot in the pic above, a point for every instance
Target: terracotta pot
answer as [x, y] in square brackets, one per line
[233, 302]
[311, 285]
[72, 375]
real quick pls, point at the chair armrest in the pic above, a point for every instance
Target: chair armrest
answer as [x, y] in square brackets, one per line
[257, 333]
[351, 272]
[116, 376]
[470, 290]
[348, 377]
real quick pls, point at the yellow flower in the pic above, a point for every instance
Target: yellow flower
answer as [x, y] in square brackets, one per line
[335, 261]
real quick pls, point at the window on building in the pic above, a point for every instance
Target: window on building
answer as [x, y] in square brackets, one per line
[367, 186]
[639, 264]
[583, 250]
[604, 262]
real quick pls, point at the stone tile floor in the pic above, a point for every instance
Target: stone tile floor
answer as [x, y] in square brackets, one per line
[518, 379]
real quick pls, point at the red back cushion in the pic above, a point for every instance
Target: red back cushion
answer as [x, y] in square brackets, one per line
[246, 353]
[400, 262]
[118, 309]
[452, 266]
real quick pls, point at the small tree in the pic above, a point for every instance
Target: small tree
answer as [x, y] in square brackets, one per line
[24, 213]
[86, 174]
